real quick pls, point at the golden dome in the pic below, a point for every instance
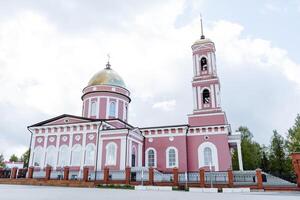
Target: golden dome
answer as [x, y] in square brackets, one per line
[107, 76]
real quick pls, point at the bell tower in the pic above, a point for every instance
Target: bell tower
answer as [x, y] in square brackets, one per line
[206, 85]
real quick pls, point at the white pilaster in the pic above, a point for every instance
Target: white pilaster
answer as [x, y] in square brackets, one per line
[130, 153]
[31, 150]
[195, 97]
[83, 149]
[122, 154]
[100, 150]
[194, 65]
[140, 155]
[70, 147]
[209, 63]
[197, 65]
[239, 151]
[212, 95]
[44, 152]
[199, 97]
[57, 152]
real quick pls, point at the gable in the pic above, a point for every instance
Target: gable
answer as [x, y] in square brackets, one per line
[64, 119]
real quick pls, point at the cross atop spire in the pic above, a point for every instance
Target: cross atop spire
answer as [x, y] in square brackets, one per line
[108, 64]
[202, 35]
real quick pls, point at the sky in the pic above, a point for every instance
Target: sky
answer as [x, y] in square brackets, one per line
[50, 49]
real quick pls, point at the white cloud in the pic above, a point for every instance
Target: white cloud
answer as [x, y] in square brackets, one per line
[165, 105]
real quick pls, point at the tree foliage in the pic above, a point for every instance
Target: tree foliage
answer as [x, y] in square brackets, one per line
[251, 151]
[13, 158]
[25, 158]
[293, 137]
[2, 164]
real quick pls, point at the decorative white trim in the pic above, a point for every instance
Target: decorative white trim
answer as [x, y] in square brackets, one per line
[140, 155]
[113, 162]
[215, 161]
[155, 157]
[167, 157]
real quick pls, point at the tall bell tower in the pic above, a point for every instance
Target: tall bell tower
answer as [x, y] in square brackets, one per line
[206, 85]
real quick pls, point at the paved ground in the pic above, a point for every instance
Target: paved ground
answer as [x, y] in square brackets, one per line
[15, 192]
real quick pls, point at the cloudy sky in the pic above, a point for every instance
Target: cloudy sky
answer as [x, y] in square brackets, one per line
[50, 49]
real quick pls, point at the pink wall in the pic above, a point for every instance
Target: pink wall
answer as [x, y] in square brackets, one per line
[217, 119]
[160, 144]
[102, 108]
[105, 142]
[221, 143]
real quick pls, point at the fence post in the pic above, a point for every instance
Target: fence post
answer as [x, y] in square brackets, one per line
[230, 178]
[66, 173]
[30, 172]
[48, 173]
[202, 177]
[175, 175]
[85, 174]
[259, 179]
[151, 176]
[106, 175]
[14, 173]
[296, 164]
[127, 175]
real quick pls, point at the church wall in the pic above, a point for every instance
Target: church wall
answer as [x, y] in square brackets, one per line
[160, 144]
[104, 143]
[221, 143]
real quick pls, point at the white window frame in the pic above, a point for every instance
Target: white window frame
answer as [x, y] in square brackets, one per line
[93, 111]
[114, 161]
[51, 149]
[215, 161]
[40, 152]
[167, 157]
[110, 108]
[155, 157]
[86, 154]
[72, 154]
[60, 156]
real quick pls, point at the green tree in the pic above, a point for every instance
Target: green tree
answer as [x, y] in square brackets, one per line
[251, 150]
[293, 137]
[265, 163]
[25, 158]
[2, 164]
[280, 163]
[13, 158]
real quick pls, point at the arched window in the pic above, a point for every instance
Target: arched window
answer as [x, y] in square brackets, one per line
[76, 155]
[206, 96]
[207, 156]
[111, 153]
[112, 109]
[89, 154]
[171, 157]
[37, 157]
[203, 63]
[151, 158]
[93, 108]
[133, 157]
[64, 156]
[51, 156]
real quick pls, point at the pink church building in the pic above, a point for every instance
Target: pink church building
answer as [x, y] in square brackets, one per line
[103, 137]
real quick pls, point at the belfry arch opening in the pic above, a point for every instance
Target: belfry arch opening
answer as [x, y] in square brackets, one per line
[203, 64]
[206, 96]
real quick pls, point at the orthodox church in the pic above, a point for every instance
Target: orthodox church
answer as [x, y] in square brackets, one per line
[103, 137]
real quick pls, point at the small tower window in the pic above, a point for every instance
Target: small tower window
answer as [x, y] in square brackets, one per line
[203, 63]
[206, 96]
[112, 109]
[93, 108]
